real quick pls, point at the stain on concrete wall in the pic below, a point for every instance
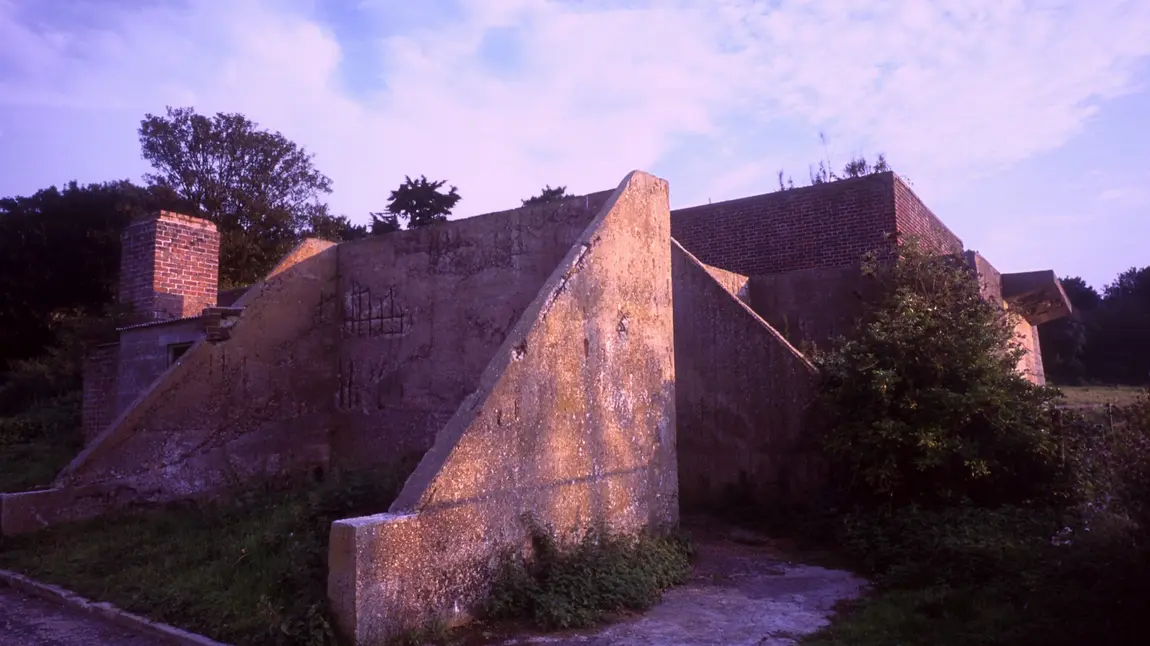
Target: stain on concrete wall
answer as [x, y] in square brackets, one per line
[424, 311]
[573, 421]
[743, 397]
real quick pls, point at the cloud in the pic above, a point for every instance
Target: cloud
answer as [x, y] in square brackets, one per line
[596, 88]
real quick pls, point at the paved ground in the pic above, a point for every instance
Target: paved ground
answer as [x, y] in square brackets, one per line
[745, 592]
[28, 621]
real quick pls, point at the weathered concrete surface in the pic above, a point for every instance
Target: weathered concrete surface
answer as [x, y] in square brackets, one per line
[28, 621]
[744, 592]
[743, 396]
[424, 311]
[226, 414]
[573, 421]
[811, 307]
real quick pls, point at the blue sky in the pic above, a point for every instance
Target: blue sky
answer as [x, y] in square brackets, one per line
[1022, 124]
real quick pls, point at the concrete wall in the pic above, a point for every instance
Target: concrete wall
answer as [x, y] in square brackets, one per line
[145, 355]
[812, 306]
[424, 311]
[573, 421]
[101, 364]
[743, 397]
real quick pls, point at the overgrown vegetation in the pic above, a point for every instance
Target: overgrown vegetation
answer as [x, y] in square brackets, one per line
[36, 443]
[983, 512]
[249, 572]
[583, 582]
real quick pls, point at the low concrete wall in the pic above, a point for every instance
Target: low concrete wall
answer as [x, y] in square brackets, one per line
[573, 422]
[743, 398]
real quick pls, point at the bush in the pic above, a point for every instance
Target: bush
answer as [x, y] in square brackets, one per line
[924, 401]
[599, 574]
[37, 443]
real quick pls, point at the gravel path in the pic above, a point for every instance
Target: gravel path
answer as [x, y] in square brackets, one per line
[28, 621]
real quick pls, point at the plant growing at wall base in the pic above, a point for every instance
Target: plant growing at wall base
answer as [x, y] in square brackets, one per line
[925, 401]
[576, 584]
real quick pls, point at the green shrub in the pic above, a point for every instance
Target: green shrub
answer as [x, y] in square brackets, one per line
[37, 443]
[579, 584]
[924, 401]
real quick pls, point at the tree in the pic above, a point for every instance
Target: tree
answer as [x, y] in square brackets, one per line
[548, 195]
[420, 203]
[1064, 341]
[925, 403]
[383, 223]
[59, 255]
[1119, 347]
[260, 189]
[337, 228]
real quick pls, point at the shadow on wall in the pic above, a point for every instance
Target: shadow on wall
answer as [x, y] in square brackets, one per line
[744, 396]
[573, 422]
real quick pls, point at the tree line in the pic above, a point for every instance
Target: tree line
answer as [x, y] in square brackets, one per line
[60, 246]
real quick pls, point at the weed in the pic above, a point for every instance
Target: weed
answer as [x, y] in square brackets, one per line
[579, 583]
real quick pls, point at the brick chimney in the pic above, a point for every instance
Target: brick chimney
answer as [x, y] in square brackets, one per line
[169, 266]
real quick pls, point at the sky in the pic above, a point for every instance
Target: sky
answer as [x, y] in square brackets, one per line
[1022, 124]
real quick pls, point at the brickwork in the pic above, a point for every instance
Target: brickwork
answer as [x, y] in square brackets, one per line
[916, 220]
[828, 225]
[814, 227]
[99, 404]
[169, 266]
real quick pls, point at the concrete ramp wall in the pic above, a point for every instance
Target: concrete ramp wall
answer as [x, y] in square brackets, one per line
[743, 395]
[573, 422]
[226, 413]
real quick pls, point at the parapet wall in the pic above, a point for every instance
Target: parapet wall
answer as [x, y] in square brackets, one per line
[573, 422]
[422, 313]
[743, 398]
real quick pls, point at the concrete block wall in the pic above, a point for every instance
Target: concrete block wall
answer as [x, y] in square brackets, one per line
[169, 266]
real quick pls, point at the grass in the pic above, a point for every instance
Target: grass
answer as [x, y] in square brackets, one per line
[968, 576]
[38, 442]
[1101, 395]
[249, 572]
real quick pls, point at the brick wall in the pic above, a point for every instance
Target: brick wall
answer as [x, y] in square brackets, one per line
[169, 266]
[813, 227]
[829, 225]
[916, 220]
[99, 404]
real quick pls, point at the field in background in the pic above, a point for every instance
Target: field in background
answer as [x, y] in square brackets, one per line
[1089, 396]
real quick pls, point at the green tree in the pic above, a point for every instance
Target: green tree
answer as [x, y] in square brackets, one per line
[1064, 341]
[924, 400]
[383, 223]
[420, 202]
[60, 258]
[261, 189]
[548, 195]
[1119, 346]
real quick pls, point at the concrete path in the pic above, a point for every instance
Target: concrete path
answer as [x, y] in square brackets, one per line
[745, 592]
[28, 621]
